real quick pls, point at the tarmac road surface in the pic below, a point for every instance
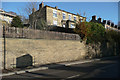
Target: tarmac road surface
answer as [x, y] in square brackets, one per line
[97, 69]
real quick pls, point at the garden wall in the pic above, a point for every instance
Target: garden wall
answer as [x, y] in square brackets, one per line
[12, 32]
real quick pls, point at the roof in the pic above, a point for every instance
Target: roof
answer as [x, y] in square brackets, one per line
[63, 10]
[7, 13]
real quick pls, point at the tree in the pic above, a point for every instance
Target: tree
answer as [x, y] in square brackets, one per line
[41, 24]
[35, 17]
[90, 31]
[98, 32]
[17, 22]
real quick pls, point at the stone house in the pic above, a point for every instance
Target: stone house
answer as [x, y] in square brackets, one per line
[55, 16]
[106, 23]
[7, 16]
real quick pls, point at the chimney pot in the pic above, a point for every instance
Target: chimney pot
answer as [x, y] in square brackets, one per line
[33, 10]
[56, 7]
[41, 5]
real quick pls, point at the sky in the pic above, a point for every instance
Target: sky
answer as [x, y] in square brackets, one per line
[105, 10]
[61, 0]
[119, 11]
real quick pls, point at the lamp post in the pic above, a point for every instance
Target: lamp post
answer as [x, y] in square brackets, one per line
[4, 33]
[4, 46]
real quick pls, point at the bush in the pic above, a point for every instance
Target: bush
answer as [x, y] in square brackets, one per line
[90, 31]
[112, 36]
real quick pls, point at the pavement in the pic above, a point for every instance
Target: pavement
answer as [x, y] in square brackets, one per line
[100, 68]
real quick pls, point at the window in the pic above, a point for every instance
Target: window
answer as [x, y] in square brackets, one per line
[72, 26]
[54, 22]
[64, 25]
[69, 17]
[74, 18]
[81, 19]
[54, 13]
[64, 16]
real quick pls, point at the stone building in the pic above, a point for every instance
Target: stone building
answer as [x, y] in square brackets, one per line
[55, 16]
[106, 23]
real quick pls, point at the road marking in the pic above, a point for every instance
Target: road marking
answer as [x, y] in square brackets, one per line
[44, 68]
[73, 76]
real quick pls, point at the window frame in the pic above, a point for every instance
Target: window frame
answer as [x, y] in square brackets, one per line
[69, 16]
[64, 16]
[55, 22]
[54, 13]
[71, 26]
[75, 18]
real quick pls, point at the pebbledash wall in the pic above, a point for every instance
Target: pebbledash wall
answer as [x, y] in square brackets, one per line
[12, 32]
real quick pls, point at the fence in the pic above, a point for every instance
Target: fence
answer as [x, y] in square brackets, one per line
[12, 32]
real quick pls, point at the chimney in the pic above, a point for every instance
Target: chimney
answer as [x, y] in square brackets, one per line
[94, 17]
[104, 21]
[119, 24]
[33, 10]
[99, 20]
[116, 26]
[56, 7]
[108, 22]
[112, 24]
[41, 5]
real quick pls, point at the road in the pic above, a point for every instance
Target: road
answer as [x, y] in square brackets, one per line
[97, 69]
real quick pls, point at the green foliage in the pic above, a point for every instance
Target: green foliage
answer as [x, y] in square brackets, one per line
[97, 30]
[112, 36]
[90, 31]
[17, 22]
